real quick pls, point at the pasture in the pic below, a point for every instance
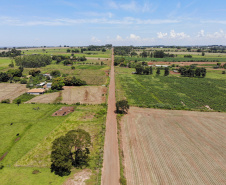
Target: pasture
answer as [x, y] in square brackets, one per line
[11, 91]
[174, 147]
[171, 92]
[4, 62]
[29, 138]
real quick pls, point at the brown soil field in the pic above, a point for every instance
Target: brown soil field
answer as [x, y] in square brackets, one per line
[45, 98]
[174, 147]
[84, 95]
[11, 91]
[72, 95]
[63, 111]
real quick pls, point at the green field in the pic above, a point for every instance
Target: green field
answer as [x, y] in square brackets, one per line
[4, 62]
[171, 91]
[63, 51]
[37, 129]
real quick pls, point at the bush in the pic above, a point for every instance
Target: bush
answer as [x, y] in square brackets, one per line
[122, 106]
[23, 81]
[6, 101]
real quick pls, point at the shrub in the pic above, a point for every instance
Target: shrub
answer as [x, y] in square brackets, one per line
[5, 101]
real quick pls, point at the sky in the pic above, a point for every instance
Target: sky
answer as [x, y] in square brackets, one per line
[117, 22]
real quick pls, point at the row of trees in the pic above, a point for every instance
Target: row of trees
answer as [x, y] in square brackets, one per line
[192, 71]
[33, 61]
[145, 70]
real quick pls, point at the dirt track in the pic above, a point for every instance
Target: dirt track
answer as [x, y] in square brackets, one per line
[110, 171]
[174, 147]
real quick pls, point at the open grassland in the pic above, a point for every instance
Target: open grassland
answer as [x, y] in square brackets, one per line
[171, 92]
[11, 91]
[73, 95]
[174, 147]
[92, 74]
[4, 62]
[63, 51]
[31, 149]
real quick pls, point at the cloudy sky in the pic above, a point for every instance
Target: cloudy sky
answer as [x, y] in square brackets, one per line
[128, 22]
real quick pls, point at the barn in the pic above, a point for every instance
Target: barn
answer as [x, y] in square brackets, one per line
[36, 91]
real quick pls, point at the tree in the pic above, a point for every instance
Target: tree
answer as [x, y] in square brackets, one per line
[58, 83]
[34, 72]
[55, 73]
[139, 69]
[122, 106]
[203, 53]
[151, 71]
[158, 71]
[18, 102]
[70, 150]
[166, 71]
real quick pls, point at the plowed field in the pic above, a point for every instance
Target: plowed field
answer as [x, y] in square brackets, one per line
[174, 147]
[11, 91]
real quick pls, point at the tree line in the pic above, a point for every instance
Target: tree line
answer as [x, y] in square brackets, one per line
[33, 61]
[192, 71]
[11, 53]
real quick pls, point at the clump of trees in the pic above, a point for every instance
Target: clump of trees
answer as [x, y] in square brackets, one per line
[11, 74]
[33, 61]
[192, 71]
[59, 82]
[11, 53]
[34, 72]
[122, 106]
[71, 150]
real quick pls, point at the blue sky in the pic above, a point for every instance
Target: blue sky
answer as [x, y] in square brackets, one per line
[129, 22]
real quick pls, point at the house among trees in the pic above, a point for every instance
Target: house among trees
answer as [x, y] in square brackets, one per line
[47, 74]
[36, 91]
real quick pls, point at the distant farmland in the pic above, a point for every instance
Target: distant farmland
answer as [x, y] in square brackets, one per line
[174, 147]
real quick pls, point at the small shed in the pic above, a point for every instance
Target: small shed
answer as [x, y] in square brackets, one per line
[48, 85]
[36, 91]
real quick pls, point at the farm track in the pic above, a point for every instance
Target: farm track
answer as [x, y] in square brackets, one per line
[174, 147]
[110, 171]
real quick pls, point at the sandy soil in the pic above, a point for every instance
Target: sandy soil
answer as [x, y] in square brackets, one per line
[174, 147]
[79, 178]
[72, 95]
[84, 95]
[110, 171]
[11, 91]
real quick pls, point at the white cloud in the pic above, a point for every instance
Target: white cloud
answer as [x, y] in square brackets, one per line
[161, 35]
[95, 40]
[119, 38]
[201, 33]
[181, 35]
[132, 6]
[134, 37]
[217, 35]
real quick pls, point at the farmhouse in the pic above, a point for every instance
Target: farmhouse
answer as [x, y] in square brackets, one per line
[36, 91]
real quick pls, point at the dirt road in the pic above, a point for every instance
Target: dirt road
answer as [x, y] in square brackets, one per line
[110, 171]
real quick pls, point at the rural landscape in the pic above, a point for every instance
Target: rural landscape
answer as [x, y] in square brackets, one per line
[112, 92]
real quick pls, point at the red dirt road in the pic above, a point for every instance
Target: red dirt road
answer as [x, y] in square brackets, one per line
[110, 171]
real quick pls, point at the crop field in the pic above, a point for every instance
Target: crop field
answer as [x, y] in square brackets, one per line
[171, 92]
[11, 91]
[72, 95]
[26, 137]
[4, 62]
[174, 147]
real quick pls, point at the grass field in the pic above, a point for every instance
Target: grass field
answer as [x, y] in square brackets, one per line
[37, 129]
[63, 51]
[171, 92]
[174, 147]
[4, 62]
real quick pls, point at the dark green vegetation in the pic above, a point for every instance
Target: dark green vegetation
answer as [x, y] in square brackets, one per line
[122, 106]
[24, 97]
[11, 53]
[70, 150]
[192, 71]
[27, 132]
[171, 92]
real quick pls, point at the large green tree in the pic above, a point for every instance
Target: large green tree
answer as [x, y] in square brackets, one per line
[70, 150]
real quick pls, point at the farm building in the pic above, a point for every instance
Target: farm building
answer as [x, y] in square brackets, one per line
[48, 85]
[47, 74]
[161, 65]
[36, 91]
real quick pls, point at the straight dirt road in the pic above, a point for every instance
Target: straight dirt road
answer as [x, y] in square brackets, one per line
[110, 171]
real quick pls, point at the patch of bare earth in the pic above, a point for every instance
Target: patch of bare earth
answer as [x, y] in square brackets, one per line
[63, 111]
[174, 147]
[79, 178]
[45, 98]
[11, 91]
[84, 95]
